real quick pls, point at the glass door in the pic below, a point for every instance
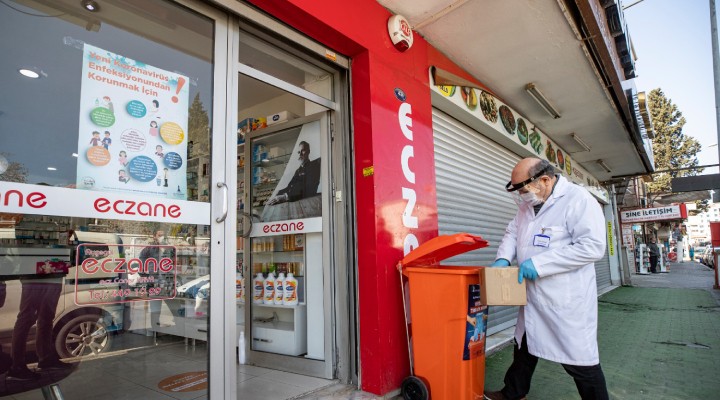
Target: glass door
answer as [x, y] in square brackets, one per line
[286, 246]
[284, 303]
[283, 278]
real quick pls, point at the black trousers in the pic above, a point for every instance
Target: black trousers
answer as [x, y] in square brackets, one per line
[38, 302]
[653, 264]
[590, 380]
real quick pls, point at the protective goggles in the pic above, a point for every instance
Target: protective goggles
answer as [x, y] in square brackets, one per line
[511, 188]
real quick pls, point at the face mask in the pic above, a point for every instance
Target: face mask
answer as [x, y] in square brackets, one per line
[531, 198]
[161, 239]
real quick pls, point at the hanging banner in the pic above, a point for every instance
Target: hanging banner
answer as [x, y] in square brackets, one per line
[610, 241]
[678, 211]
[132, 134]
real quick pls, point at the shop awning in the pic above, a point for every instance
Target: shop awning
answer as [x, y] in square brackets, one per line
[507, 47]
[684, 197]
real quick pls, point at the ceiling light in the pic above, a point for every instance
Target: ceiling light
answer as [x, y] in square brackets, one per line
[540, 98]
[90, 5]
[30, 73]
[580, 142]
[52, 169]
[603, 165]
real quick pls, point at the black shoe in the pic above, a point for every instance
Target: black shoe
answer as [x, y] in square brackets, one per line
[22, 374]
[54, 365]
[497, 396]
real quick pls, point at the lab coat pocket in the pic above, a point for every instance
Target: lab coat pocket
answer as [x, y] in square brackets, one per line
[554, 290]
[557, 235]
[554, 231]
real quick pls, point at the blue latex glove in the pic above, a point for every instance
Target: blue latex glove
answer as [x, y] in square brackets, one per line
[501, 262]
[527, 270]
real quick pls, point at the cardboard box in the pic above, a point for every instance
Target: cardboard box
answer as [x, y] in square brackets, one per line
[280, 117]
[499, 287]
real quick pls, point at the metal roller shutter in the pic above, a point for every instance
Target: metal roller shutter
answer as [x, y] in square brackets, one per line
[471, 172]
[602, 269]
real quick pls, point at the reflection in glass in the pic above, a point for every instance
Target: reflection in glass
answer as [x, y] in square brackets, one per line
[86, 296]
[283, 65]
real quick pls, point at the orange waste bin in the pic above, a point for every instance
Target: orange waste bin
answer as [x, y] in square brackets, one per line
[447, 322]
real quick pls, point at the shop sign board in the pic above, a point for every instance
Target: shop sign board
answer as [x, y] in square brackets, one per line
[677, 211]
[117, 279]
[486, 108]
[48, 200]
[274, 228]
[610, 241]
[133, 123]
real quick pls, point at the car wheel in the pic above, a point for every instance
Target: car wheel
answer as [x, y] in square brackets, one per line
[82, 336]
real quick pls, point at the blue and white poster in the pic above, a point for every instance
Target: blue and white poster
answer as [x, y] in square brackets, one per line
[476, 325]
[133, 127]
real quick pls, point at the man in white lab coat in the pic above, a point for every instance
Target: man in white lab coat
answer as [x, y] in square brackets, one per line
[556, 236]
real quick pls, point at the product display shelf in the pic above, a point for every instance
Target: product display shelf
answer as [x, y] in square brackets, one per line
[280, 329]
[33, 230]
[642, 259]
[279, 305]
[272, 161]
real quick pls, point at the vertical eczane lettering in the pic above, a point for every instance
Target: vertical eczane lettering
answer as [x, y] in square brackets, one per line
[407, 153]
[410, 243]
[405, 119]
[409, 221]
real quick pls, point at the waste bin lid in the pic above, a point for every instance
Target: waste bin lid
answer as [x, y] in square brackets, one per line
[437, 249]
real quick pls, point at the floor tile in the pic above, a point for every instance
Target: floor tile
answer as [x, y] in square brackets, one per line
[259, 388]
[303, 381]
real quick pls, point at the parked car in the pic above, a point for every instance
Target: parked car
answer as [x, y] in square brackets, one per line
[711, 257]
[707, 256]
[78, 330]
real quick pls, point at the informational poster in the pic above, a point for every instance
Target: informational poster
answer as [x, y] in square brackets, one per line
[476, 325]
[133, 127]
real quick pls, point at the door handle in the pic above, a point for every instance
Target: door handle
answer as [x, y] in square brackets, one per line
[225, 202]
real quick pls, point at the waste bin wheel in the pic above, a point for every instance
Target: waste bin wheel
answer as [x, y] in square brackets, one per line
[414, 388]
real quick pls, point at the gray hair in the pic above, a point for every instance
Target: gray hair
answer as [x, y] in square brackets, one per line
[544, 167]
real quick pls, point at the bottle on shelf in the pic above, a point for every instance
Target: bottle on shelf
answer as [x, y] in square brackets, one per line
[242, 358]
[269, 286]
[238, 286]
[258, 285]
[290, 291]
[279, 286]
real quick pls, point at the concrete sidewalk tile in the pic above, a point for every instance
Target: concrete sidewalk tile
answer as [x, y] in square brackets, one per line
[655, 343]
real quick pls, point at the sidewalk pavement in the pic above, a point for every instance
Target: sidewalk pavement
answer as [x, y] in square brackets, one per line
[659, 339]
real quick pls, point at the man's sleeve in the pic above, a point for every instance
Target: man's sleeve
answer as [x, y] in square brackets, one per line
[508, 245]
[586, 225]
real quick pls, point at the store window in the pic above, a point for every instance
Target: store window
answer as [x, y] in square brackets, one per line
[105, 129]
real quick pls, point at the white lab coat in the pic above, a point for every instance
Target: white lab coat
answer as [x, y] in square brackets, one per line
[560, 318]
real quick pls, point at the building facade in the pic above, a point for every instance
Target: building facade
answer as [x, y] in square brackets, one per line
[213, 196]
